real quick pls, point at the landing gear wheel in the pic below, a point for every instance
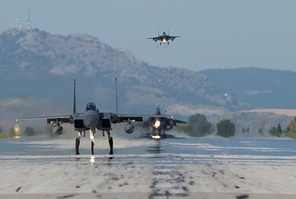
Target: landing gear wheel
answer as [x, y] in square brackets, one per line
[92, 147]
[111, 145]
[77, 143]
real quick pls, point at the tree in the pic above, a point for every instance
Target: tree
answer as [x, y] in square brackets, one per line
[279, 129]
[246, 129]
[291, 130]
[199, 125]
[12, 131]
[30, 131]
[225, 128]
[276, 131]
[292, 125]
[273, 131]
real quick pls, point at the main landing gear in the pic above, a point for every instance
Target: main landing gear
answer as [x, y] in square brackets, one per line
[77, 143]
[92, 141]
[110, 139]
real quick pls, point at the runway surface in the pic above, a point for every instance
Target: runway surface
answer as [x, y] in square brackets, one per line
[181, 167]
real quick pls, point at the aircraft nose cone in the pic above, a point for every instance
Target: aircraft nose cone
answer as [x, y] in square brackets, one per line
[90, 119]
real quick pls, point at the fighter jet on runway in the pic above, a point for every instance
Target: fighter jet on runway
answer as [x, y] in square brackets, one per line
[164, 38]
[91, 120]
[158, 124]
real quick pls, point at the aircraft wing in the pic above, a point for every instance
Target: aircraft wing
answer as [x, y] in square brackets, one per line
[155, 38]
[141, 118]
[62, 119]
[127, 118]
[65, 118]
[168, 117]
[178, 121]
[50, 119]
[173, 37]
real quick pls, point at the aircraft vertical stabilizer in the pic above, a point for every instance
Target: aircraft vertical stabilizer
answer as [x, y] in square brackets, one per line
[74, 97]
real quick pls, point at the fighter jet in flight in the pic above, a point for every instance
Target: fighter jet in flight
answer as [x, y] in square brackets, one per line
[158, 124]
[164, 38]
[91, 119]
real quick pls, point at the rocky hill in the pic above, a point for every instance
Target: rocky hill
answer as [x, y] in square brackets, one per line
[37, 71]
[260, 88]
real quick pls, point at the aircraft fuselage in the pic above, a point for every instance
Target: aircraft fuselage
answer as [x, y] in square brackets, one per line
[156, 126]
[164, 38]
[91, 119]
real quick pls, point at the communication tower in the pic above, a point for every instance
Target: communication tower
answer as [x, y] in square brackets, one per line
[29, 20]
[17, 23]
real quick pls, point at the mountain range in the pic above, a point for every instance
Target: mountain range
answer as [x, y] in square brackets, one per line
[37, 71]
[257, 87]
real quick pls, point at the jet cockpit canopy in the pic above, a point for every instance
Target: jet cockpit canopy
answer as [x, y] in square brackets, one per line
[157, 112]
[91, 106]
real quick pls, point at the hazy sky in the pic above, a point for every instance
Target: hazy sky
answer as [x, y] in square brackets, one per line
[215, 33]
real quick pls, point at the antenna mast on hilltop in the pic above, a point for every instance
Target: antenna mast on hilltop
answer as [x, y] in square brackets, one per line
[116, 95]
[17, 23]
[29, 20]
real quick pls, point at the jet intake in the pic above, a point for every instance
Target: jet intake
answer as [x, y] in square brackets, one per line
[57, 129]
[171, 125]
[129, 128]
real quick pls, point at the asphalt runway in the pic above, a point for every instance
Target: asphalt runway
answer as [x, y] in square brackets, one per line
[181, 167]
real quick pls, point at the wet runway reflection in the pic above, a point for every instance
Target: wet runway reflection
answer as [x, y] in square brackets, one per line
[161, 168]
